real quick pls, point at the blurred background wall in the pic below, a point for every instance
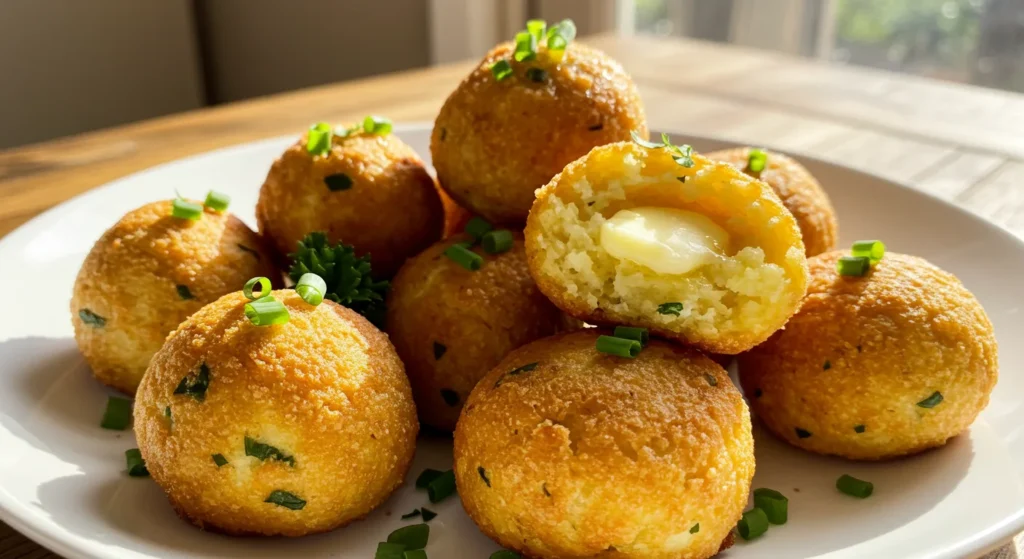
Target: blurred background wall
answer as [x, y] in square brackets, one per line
[69, 66]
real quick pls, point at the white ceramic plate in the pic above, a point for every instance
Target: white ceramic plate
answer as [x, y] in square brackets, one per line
[62, 480]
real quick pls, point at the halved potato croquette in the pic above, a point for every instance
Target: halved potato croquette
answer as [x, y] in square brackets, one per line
[287, 430]
[874, 367]
[703, 254]
[799, 192]
[563, 451]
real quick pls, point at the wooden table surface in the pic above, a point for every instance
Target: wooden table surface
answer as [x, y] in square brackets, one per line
[962, 143]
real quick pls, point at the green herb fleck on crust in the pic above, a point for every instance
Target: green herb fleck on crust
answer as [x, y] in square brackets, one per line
[92, 319]
[285, 499]
[670, 308]
[265, 452]
[483, 475]
[195, 387]
[184, 292]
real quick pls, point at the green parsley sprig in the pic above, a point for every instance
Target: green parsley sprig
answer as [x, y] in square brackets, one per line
[555, 38]
[348, 277]
[682, 155]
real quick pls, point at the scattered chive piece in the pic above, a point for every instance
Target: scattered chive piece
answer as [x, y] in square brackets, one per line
[756, 161]
[387, 550]
[217, 201]
[711, 379]
[505, 554]
[620, 347]
[318, 141]
[441, 487]
[802, 433]
[167, 412]
[483, 475]
[136, 465]
[560, 35]
[349, 278]
[827, 365]
[413, 514]
[855, 487]
[427, 476]
[753, 524]
[477, 227]
[183, 209]
[536, 27]
[266, 311]
[118, 415]
[518, 370]
[91, 318]
[450, 397]
[873, 250]
[439, 350]
[774, 504]
[414, 554]
[428, 514]
[496, 242]
[219, 460]
[526, 47]
[311, 288]
[630, 333]
[414, 536]
[853, 265]
[858, 428]
[196, 388]
[264, 284]
[265, 452]
[184, 293]
[377, 125]
[337, 182]
[285, 499]
[695, 529]
[536, 75]
[501, 69]
[931, 401]
[670, 308]
[464, 257]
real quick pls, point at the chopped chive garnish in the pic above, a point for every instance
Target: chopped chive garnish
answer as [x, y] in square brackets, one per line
[387, 550]
[414, 554]
[450, 397]
[526, 47]
[560, 35]
[536, 27]
[873, 250]
[501, 69]
[136, 465]
[630, 333]
[827, 365]
[427, 476]
[931, 401]
[496, 242]
[441, 487]
[518, 370]
[217, 201]
[195, 387]
[311, 288]
[753, 524]
[414, 536]
[167, 412]
[285, 499]
[670, 308]
[439, 350]
[264, 451]
[756, 161]
[536, 75]
[858, 428]
[266, 311]
[802, 433]
[774, 504]
[853, 265]
[337, 182]
[711, 379]
[183, 209]
[264, 284]
[620, 347]
[377, 125]
[505, 554]
[855, 487]
[428, 514]
[318, 141]
[92, 319]
[477, 227]
[464, 257]
[413, 514]
[695, 528]
[184, 293]
[483, 475]
[219, 460]
[118, 415]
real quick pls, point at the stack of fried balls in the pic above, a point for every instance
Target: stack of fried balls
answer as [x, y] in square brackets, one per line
[557, 298]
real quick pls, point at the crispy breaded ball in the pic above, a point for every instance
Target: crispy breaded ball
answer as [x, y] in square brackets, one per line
[799, 192]
[873, 367]
[563, 451]
[450, 325]
[379, 199]
[703, 254]
[287, 430]
[149, 272]
[496, 142]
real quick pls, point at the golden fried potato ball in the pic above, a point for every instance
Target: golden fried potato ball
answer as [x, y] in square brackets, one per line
[450, 325]
[875, 367]
[149, 272]
[565, 452]
[496, 141]
[286, 430]
[799, 192]
[702, 254]
[371, 191]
